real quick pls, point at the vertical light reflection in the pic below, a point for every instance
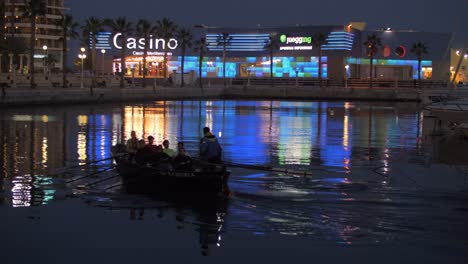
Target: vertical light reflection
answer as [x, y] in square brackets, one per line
[21, 191]
[345, 131]
[116, 126]
[82, 148]
[295, 141]
[44, 152]
[133, 121]
[209, 114]
[155, 123]
[346, 161]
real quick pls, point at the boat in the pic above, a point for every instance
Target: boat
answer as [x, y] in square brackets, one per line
[203, 179]
[453, 111]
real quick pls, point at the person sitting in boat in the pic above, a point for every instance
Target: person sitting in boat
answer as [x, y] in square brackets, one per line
[168, 151]
[210, 149]
[149, 153]
[181, 146]
[132, 143]
[150, 147]
[182, 161]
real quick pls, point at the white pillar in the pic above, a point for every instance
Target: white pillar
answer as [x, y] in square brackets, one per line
[21, 63]
[11, 61]
[28, 62]
[14, 76]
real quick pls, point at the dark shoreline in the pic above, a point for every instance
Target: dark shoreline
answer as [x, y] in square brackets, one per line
[61, 96]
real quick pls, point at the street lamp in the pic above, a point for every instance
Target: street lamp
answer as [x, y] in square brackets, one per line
[82, 57]
[346, 75]
[297, 76]
[45, 57]
[103, 51]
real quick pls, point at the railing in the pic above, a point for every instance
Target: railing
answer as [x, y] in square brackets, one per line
[114, 80]
[350, 83]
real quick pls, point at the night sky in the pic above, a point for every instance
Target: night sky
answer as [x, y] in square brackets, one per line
[432, 16]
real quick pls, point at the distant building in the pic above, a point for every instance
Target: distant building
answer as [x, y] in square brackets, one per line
[459, 60]
[343, 54]
[15, 26]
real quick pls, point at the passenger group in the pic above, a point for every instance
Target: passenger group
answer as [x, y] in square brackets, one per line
[163, 155]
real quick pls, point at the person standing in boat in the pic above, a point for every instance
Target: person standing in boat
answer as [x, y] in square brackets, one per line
[210, 149]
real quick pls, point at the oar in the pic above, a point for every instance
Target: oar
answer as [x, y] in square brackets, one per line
[113, 186]
[262, 168]
[64, 169]
[103, 180]
[89, 175]
[267, 168]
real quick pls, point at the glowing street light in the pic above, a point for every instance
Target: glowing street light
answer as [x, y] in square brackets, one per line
[103, 51]
[346, 75]
[45, 58]
[82, 57]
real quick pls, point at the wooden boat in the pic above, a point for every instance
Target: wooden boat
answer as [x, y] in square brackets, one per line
[453, 111]
[203, 179]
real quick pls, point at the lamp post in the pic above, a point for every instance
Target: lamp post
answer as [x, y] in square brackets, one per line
[82, 57]
[103, 51]
[249, 70]
[297, 76]
[45, 58]
[346, 75]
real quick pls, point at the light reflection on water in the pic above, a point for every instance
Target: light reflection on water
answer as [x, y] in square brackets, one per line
[354, 150]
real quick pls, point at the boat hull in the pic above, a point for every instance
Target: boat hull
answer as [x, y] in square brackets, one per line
[209, 181]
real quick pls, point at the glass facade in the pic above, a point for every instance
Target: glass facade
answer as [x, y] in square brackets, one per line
[301, 67]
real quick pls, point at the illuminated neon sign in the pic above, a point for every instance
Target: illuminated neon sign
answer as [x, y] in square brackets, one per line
[154, 43]
[295, 40]
[295, 43]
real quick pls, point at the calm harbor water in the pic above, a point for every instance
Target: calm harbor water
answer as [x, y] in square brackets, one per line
[381, 189]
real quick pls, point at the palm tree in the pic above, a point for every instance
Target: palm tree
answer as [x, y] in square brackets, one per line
[272, 45]
[121, 25]
[223, 40]
[185, 38]
[91, 28]
[318, 40]
[144, 30]
[200, 47]
[69, 30]
[372, 43]
[419, 49]
[31, 10]
[165, 29]
[2, 21]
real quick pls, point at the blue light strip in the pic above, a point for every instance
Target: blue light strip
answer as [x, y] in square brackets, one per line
[239, 42]
[339, 40]
[102, 40]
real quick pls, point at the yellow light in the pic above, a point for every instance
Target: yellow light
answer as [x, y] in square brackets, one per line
[82, 120]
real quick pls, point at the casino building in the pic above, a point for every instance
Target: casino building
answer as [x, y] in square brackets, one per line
[343, 55]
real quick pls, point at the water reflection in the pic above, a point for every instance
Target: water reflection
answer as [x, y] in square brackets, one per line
[335, 135]
[30, 190]
[206, 217]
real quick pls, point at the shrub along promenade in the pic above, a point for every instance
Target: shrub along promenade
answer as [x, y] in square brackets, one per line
[58, 95]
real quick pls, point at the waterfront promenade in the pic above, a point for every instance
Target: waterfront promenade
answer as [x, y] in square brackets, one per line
[57, 95]
[75, 95]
